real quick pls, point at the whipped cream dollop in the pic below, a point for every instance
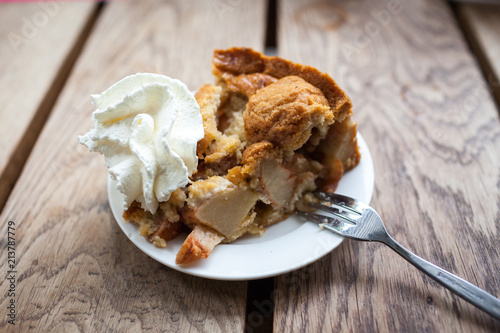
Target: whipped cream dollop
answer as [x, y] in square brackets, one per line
[147, 127]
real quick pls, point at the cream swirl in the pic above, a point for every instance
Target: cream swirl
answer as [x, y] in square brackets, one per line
[147, 127]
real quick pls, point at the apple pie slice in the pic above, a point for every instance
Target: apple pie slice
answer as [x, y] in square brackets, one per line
[274, 130]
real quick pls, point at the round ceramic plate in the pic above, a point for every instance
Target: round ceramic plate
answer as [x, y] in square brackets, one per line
[285, 246]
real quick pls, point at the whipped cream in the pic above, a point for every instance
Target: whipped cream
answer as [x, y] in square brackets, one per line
[147, 127]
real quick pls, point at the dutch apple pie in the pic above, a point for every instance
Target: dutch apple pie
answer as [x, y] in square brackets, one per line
[273, 131]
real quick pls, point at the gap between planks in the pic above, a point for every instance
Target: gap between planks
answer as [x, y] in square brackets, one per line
[480, 42]
[22, 151]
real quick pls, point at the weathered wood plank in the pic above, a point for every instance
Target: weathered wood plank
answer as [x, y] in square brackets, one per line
[481, 23]
[76, 270]
[37, 46]
[433, 130]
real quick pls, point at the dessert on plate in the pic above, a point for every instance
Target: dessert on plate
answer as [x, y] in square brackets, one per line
[238, 156]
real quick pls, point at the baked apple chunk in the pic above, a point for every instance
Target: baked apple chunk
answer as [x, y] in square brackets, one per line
[219, 204]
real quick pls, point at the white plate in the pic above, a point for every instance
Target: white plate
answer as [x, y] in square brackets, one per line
[285, 246]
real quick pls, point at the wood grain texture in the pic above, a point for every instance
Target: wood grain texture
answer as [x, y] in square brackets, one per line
[76, 270]
[481, 24]
[433, 130]
[36, 49]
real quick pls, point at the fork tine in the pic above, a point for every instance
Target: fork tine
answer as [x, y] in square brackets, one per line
[330, 223]
[342, 201]
[316, 218]
[340, 213]
[320, 219]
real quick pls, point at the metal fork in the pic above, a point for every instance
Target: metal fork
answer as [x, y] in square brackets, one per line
[351, 218]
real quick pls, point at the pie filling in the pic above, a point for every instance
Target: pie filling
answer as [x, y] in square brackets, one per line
[273, 132]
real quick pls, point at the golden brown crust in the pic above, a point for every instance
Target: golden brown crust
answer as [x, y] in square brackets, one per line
[236, 61]
[135, 213]
[158, 228]
[247, 84]
[209, 100]
[284, 113]
[215, 145]
[167, 231]
[198, 245]
[255, 154]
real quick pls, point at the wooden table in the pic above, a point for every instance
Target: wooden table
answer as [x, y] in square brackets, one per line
[423, 77]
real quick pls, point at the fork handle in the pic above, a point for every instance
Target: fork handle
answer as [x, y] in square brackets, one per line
[459, 286]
